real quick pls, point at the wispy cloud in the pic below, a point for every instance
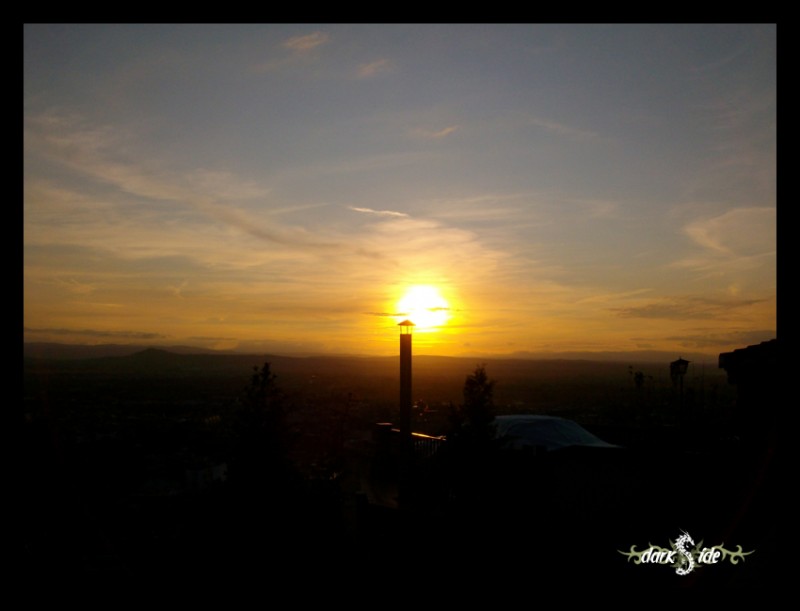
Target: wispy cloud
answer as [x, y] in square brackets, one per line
[733, 243]
[285, 236]
[434, 134]
[373, 68]
[360, 164]
[95, 333]
[612, 297]
[307, 42]
[433, 248]
[526, 208]
[95, 152]
[177, 290]
[293, 50]
[76, 287]
[686, 308]
[742, 231]
[164, 231]
[481, 207]
[378, 212]
[594, 208]
[712, 338]
[562, 129]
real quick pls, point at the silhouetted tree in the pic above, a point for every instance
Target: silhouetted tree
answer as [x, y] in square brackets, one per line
[261, 437]
[474, 419]
[470, 455]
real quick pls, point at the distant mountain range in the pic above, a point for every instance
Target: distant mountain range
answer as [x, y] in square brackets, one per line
[543, 380]
[49, 350]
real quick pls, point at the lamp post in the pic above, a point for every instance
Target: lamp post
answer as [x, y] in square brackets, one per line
[405, 405]
[405, 378]
[677, 370]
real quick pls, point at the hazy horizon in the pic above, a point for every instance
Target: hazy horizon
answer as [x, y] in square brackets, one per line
[73, 350]
[566, 189]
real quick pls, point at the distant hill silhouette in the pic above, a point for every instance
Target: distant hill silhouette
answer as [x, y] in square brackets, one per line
[523, 383]
[52, 350]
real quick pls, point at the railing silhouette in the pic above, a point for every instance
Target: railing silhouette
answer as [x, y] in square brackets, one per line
[423, 446]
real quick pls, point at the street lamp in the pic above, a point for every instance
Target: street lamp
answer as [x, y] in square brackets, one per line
[677, 369]
[405, 405]
[405, 379]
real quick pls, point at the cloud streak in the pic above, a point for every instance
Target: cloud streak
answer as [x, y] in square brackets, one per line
[306, 42]
[738, 232]
[373, 68]
[137, 335]
[378, 212]
[90, 151]
[561, 129]
[431, 134]
[686, 308]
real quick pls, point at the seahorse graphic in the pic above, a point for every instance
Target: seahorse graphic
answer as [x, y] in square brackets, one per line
[679, 544]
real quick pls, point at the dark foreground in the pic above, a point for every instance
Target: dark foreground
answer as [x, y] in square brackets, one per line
[516, 523]
[122, 487]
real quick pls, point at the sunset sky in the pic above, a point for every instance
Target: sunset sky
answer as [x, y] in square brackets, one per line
[278, 188]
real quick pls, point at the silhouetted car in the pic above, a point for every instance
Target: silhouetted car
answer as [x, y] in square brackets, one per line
[551, 466]
[548, 433]
[543, 472]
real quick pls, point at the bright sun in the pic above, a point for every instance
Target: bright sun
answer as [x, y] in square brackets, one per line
[424, 306]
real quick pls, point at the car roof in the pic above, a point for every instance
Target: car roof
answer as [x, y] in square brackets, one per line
[550, 432]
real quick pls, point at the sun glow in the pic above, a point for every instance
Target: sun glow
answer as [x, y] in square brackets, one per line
[424, 306]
